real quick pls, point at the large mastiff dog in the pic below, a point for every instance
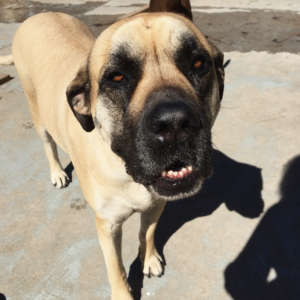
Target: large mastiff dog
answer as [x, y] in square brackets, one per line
[134, 110]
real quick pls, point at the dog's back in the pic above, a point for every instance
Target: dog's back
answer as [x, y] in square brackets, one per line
[48, 49]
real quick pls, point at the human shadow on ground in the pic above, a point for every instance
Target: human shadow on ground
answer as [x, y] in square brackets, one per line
[275, 244]
[238, 185]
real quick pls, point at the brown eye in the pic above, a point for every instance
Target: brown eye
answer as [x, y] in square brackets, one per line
[198, 64]
[117, 78]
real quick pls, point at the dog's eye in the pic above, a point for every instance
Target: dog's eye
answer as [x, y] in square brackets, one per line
[197, 64]
[116, 77]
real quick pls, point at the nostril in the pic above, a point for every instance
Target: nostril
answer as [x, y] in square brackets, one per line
[188, 125]
[161, 128]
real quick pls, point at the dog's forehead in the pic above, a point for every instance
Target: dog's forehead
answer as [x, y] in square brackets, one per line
[142, 33]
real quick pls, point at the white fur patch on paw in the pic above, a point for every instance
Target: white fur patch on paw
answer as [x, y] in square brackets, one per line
[153, 265]
[59, 179]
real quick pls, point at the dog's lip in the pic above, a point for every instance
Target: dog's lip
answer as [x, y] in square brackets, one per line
[127, 170]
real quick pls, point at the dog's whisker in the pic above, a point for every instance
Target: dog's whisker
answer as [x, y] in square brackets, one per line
[215, 146]
[215, 135]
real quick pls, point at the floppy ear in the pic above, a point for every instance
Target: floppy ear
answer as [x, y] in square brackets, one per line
[78, 95]
[219, 67]
[182, 7]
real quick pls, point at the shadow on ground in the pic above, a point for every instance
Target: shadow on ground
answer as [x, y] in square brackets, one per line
[69, 170]
[238, 185]
[275, 244]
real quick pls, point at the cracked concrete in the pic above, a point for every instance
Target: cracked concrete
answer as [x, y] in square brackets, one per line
[237, 239]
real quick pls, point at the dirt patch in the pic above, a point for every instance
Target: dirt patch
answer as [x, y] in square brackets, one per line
[252, 31]
[19, 10]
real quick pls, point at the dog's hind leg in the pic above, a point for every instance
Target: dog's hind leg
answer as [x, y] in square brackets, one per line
[58, 177]
[151, 260]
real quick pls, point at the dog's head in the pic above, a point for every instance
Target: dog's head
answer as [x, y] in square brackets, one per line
[152, 87]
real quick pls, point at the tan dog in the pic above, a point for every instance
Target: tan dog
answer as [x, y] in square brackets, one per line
[133, 109]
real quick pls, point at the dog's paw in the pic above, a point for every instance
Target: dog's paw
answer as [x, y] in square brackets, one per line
[59, 178]
[153, 265]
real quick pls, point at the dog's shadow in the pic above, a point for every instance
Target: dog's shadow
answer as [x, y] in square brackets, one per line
[268, 267]
[238, 185]
[69, 170]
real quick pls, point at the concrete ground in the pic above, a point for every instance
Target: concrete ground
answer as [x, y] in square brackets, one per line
[238, 239]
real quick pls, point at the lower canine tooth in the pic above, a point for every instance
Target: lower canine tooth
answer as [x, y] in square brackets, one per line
[190, 168]
[164, 173]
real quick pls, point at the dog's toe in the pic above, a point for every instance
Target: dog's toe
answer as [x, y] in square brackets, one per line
[153, 265]
[59, 179]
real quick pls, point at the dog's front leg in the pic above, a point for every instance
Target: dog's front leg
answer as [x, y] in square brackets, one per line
[151, 261]
[110, 237]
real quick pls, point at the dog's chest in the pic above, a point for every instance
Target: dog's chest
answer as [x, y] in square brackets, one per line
[120, 205]
[138, 197]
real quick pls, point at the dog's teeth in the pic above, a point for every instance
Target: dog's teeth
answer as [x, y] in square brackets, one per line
[170, 174]
[177, 174]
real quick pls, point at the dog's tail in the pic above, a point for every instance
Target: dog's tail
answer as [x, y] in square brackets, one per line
[6, 60]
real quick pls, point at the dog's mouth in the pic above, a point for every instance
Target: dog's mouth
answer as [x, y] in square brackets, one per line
[177, 171]
[176, 181]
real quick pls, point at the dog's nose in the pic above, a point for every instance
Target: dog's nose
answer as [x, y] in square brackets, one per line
[173, 123]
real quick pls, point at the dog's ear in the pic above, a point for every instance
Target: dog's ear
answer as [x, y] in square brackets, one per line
[219, 67]
[78, 95]
[182, 7]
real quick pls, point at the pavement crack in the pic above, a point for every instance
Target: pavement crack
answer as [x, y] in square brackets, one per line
[268, 120]
[53, 295]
